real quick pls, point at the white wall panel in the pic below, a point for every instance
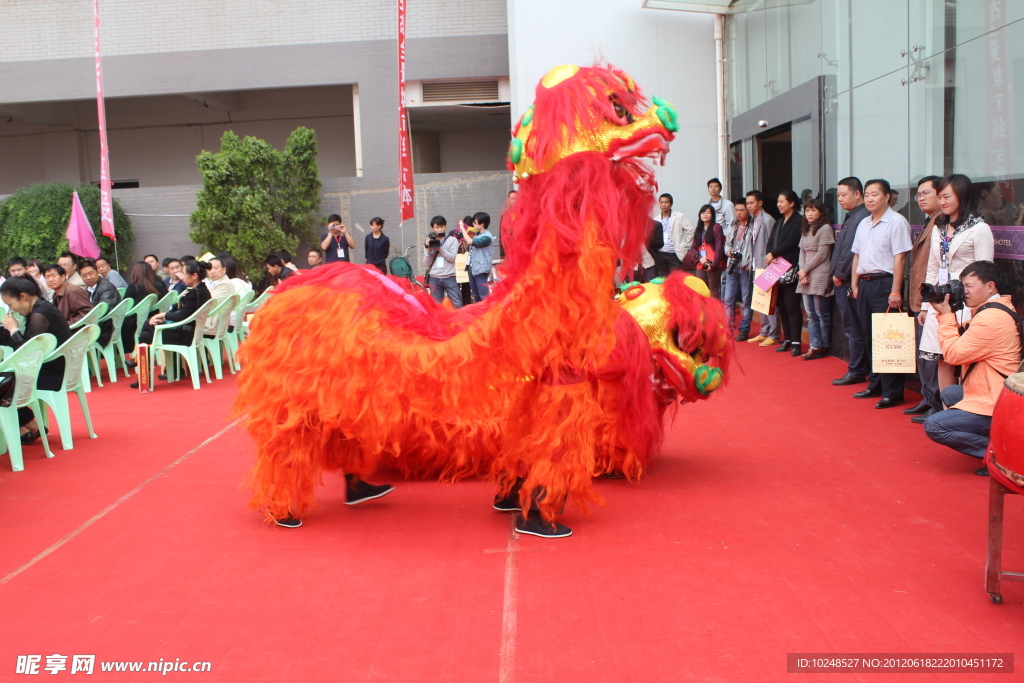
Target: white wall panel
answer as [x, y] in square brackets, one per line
[669, 54]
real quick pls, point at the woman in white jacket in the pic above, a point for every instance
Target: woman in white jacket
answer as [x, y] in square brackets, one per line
[961, 237]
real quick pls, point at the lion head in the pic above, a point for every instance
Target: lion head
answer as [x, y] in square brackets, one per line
[591, 109]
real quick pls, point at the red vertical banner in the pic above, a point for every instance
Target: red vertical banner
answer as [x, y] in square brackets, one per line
[106, 204]
[406, 191]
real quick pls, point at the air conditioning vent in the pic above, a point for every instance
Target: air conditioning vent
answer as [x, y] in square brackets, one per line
[465, 91]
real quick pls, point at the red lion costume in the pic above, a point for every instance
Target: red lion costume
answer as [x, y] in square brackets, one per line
[548, 379]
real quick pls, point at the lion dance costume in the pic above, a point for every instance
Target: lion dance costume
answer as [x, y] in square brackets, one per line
[552, 380]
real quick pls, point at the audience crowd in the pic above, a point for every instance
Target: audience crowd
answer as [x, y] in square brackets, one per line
[969, 337]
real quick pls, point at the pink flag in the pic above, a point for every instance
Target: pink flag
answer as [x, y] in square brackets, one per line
[81, 238]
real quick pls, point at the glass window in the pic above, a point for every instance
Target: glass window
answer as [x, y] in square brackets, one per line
[879, 35]
[879, 128]
[805, 157]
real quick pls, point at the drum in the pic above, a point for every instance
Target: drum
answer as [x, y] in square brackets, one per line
[1005, 457]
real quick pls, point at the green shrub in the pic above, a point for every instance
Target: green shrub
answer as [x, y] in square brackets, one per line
[34, 220]
[256, 200]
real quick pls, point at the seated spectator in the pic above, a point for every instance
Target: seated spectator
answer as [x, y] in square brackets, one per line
[142, 282]
[195, 295]
[72, 302]
[35, 269]
[154, 263]
[238, 279]
[988, 351]
[103, 266]
[22, 295]
[16, 266]
[173, 281]
[287, 258]
[220, 286]
[315, 258]
[69, 262]
[277, 271]
[99, 289]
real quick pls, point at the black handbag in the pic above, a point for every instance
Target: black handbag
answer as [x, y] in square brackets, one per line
[789, 277]
[6, 389]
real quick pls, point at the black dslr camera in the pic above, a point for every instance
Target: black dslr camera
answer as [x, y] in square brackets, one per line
[734, 260]
[934, 294]
[433, 241]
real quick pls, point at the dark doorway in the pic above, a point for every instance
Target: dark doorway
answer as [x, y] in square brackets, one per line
[775, 158]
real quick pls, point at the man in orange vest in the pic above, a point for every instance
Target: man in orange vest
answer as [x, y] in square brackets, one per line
[988, 349]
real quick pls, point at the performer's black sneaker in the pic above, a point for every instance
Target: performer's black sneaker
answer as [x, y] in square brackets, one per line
[535, 526]
[357, 492]
[288, 522]
[510, 503]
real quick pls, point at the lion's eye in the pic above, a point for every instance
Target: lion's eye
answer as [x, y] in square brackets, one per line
[621, 112]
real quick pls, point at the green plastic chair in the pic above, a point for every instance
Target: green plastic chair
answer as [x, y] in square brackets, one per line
[121, 291]
[91, 318]
[114, 350]
[25, 364]
[168, 300]
[218, 345]
[236, 336]
[141, 312]
[253, 307]
[190, 353]
[74, 351]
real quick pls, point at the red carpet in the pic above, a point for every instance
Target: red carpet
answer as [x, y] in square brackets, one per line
[784, 516]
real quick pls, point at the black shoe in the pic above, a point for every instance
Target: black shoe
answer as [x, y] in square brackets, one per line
[288, 522]
[134, 385]
[357, 492]
[889, 403]
[742, 336]
[848, 379]
[920, 409]
[795, 351]
[868, 393]
[981, 471]
[130, 364]
[535, 526]
[509, 503]
[613, 475]
[784, 346]
[28, 437]
[920, 419]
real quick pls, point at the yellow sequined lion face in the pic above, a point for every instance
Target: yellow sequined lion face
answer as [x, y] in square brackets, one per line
[589, 109]
[685, 365]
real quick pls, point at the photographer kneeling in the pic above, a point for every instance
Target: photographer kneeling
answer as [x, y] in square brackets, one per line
[989, 349]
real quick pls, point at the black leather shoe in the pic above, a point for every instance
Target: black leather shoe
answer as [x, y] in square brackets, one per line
[784, 346]
[848, 379]
[981, 471]
[920, 419]
[889, 403]
[795, 350]
[742, 336]
[868, 393]
[920, 409]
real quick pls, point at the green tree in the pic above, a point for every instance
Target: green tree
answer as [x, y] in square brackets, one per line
[256, 200]
[34, 222]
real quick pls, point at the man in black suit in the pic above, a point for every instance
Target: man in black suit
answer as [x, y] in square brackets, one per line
[99, 289]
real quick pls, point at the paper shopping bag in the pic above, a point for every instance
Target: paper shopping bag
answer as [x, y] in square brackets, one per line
[763, 301]
[893, 345]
